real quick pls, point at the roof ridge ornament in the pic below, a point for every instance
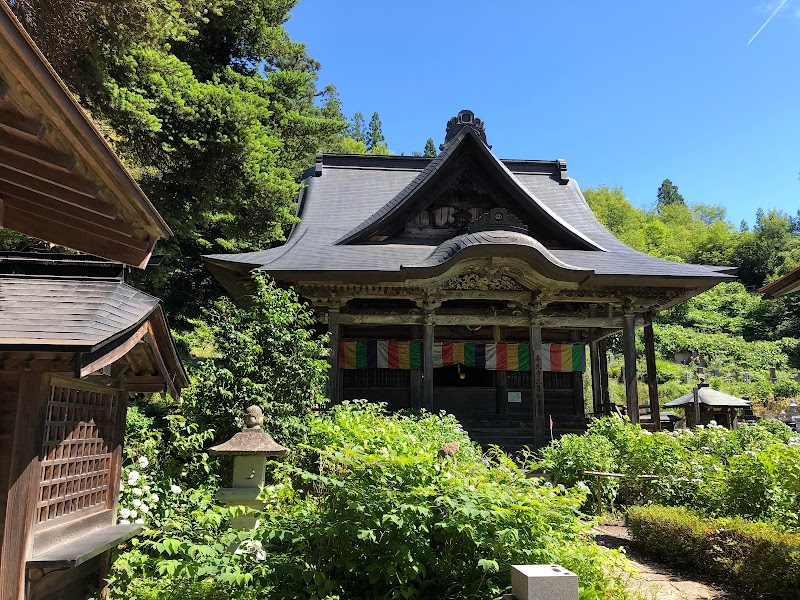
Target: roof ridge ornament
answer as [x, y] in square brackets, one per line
[498, 219]
[464, 118]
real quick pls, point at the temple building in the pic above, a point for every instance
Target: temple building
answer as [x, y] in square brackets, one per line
[469, 284]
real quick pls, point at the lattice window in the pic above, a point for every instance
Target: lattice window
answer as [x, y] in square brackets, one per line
[77, 450]
[558, 381]
[376, 378]
[519, 380]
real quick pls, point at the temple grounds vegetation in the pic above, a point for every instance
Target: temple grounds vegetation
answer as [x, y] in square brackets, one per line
[756, 558]
[366, 500]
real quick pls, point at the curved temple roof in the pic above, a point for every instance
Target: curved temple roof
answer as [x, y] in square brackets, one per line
[352, 205]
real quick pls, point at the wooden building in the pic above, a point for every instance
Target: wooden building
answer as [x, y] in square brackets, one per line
[75, 340]
[787, 285]
[469, 284]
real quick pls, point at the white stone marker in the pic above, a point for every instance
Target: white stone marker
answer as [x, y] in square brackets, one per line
[543, 582]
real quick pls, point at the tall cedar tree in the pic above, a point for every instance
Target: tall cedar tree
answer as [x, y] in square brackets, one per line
[375, 139]
[430, 148]
[213, 107]
[668, 195]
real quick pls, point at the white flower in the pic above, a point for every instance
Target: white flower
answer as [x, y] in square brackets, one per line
[175, 489]
[143, 462]
[712, 423]
[144, 508]
[146, 488]
[133, 477]
[121, 487]
[137, 491]
[154, 498]
[136, 502]
[124, 522]
[139, 521]
[124, 513]
[133, 514]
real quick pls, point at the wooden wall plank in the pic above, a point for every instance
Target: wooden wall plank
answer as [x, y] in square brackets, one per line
[23, 483]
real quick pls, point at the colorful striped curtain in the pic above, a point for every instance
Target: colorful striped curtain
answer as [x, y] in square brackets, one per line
[380, 354]
[388, 354]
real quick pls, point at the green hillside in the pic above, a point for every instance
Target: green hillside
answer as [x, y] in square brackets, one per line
[738, 334]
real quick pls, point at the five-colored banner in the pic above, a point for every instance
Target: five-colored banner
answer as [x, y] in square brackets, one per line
[390, 354]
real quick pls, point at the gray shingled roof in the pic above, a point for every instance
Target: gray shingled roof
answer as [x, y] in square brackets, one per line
[65, 312]
[710, 397]
[353, 191]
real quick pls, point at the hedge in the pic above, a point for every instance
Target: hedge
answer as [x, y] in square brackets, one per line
[754, 557]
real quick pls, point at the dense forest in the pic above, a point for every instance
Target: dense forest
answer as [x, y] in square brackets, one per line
[217, 111]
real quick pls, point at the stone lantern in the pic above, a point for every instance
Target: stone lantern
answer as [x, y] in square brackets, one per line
[250, 449]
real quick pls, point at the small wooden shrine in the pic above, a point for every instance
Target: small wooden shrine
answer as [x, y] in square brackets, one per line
[705, 404]
[469, 284]
[75, 339]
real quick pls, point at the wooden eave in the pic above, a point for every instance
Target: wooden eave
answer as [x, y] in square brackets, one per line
[147, 347]
[788, 284]
[60, 181]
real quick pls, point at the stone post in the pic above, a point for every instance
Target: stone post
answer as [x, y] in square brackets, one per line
[334, 372]
[540, 582]
[537, 382]
[427, 360]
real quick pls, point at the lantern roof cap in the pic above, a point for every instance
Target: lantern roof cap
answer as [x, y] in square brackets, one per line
[251, 440]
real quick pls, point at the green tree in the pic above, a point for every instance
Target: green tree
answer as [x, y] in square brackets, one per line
[430, 148]
[376, 143]
[269, 355]
[213, 107]
[357, 129]
[668, 195]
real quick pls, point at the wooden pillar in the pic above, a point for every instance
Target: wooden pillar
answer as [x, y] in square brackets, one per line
[501, 380]
[334, 373]
[23, 490]
[594, 363]
[631, 389]
[605, 394]
[652, 380]
[578, 408]
[427, 361]
[537, 384]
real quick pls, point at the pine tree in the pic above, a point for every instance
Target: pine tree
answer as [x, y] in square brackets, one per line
[668, 195]
[430, 148]
[375, 139]
[357, 128]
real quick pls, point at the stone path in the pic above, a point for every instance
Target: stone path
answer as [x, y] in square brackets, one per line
[653, 580]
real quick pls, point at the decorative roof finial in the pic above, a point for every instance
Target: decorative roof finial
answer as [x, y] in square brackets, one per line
[465, 118]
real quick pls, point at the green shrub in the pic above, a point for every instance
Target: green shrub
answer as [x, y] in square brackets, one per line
[753, 557]
[378, 505]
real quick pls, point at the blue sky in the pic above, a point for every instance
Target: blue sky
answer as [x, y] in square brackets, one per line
[628, 92]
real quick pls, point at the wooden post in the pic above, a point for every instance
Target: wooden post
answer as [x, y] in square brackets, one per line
[604, 392]
[501, 380]
[427, 360]
[537, 384]
[334, 373]
[652, 380]
[578, 404]
[696, 406]
[594, 363]
[23, 483]
[631, 389]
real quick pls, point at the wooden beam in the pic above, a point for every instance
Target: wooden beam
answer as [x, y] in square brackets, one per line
[652, 379]
[334, 372]
[631, 383]
[11, 119]
[75, 217]
[2, 214]
[548, 322]
[46, 172]
[537, 381]
[36, 150]
[427, 361]
[23, 489]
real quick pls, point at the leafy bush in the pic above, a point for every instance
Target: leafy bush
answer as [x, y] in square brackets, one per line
[752, 472]
[267, 355]
[377, 506]
[754, 557]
